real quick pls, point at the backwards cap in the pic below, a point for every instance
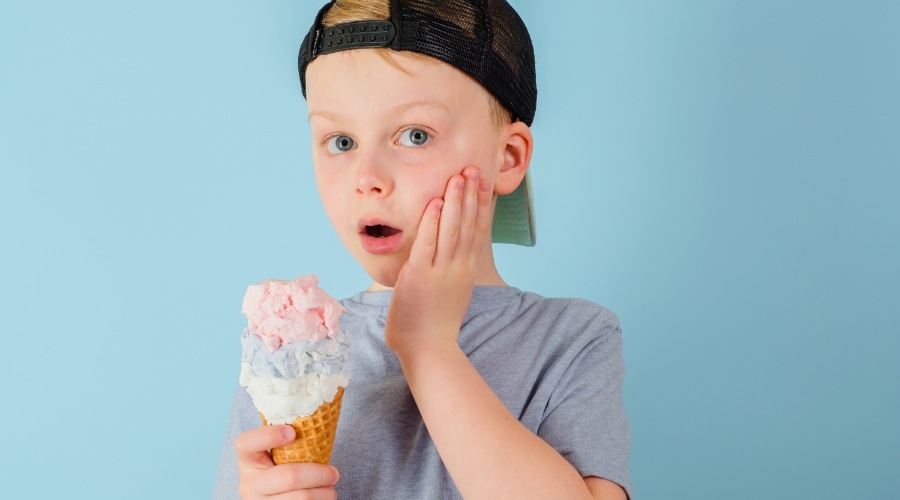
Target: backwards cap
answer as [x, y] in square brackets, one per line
[485, 39]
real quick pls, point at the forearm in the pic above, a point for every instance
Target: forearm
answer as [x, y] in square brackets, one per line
[487, 451]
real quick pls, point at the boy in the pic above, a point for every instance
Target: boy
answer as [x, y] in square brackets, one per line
[462, 385]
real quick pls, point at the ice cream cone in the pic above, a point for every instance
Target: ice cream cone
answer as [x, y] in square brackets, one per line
[315, 435]
[294, 359]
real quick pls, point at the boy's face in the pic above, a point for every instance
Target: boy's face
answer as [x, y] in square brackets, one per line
[386, 141]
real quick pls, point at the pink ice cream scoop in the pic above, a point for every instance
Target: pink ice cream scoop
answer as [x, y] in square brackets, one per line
[282, 312]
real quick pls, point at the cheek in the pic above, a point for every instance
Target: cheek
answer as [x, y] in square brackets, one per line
[424, 174]
[430, 179]
[418, 190]
[328, 187]
[481, 149]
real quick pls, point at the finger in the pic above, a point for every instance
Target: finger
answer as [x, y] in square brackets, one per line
[448, 229]
[253, 446]
[483, 220]
[422, 251]
[292, 477]
[315, 494]
[468, 212]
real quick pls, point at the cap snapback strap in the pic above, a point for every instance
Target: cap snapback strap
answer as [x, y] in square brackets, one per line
[397, 19]
[353, 36]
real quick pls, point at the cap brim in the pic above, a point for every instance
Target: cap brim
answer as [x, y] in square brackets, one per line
[514, 216]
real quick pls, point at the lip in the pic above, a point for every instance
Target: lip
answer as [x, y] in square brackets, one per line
[378, 244]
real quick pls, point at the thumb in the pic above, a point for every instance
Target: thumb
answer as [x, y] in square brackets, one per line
[253, 446]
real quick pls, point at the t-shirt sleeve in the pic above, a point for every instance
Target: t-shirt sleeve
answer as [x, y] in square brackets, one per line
[585, 418]
[243, 417]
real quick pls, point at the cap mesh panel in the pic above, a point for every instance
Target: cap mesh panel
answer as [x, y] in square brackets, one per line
[484, 38]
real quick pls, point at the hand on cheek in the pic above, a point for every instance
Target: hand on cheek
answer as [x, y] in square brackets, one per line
[435, 285]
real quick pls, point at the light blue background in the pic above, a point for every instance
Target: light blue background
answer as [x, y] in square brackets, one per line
[722, 174]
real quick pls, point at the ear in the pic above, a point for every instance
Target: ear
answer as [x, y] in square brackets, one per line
[516, 158]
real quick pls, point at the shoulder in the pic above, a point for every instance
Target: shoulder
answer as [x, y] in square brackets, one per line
[560, 328]
[574, 313]
[365, 307]
[577, 306]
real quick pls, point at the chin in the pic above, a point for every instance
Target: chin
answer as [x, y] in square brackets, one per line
[384, 279]
[381, 274]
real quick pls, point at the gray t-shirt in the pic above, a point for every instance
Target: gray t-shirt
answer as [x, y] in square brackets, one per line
[555, 363]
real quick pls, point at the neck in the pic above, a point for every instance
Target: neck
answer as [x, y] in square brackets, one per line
[487, 274]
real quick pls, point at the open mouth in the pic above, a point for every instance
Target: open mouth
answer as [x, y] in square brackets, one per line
[379, 238]
[381, 231]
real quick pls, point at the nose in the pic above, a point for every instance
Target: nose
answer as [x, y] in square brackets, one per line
[372, 176]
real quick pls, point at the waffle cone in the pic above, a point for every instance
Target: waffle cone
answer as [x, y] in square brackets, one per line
[315, 435]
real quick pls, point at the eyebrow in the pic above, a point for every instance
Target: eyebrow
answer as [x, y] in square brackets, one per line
[391, 112]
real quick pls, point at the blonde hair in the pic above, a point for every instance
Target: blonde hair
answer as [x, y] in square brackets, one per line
[348, 11]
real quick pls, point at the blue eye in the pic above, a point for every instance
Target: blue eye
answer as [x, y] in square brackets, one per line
[414, 137]
[340, 144]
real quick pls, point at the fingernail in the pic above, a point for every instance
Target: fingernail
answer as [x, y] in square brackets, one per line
[287, 432]
[474, 174]
[484, 185]
[337, 476]
[439, 205]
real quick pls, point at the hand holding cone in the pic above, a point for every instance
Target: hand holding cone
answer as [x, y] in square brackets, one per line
[315, 435]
